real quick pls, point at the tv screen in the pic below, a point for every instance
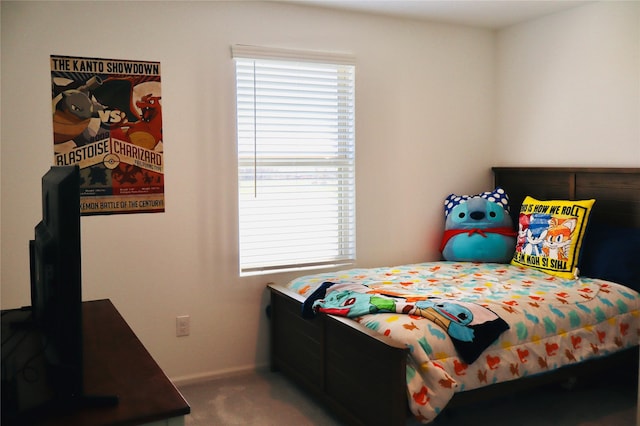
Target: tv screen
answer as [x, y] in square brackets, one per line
[56, 293]
[56, 280]
[56, 314]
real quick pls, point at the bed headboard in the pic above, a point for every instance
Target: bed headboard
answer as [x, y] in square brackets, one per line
[616, 190]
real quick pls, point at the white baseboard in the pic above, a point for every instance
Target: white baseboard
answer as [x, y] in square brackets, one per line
[216, 375]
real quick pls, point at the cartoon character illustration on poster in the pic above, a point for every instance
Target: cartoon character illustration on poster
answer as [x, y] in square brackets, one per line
[147, 132]
[126, 174]
[131, 112]
[136, 111]
[75, 110]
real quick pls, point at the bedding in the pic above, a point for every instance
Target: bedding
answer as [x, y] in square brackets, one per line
[470, 326]
[552, 321]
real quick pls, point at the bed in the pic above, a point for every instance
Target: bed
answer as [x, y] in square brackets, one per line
[369, 374]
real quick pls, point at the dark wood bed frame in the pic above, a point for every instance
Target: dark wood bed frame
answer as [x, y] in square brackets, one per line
[360, 375]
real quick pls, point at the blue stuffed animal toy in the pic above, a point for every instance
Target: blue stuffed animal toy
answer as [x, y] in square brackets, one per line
[478, 228]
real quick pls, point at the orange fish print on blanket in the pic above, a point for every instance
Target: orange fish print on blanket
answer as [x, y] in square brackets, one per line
[493, 362]
[535, 301]
[304, 289]
[522, 355]
[460, 367]
[551, 348]
[509, 309]
[410, 326]
[446, 383]
[542, 362]
[482, 376]
[601, 335]
[515, 371]
[575, 341]
[422, 397]
[624, 328]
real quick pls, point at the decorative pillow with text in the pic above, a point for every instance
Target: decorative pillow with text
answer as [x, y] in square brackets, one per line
[550, 235]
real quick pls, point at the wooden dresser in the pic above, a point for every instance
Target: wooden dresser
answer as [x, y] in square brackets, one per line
[115, 363]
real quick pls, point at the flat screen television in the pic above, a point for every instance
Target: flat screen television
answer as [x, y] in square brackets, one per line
[56, 281]
[56, 298]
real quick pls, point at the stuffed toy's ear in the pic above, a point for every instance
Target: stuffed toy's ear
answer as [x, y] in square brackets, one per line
[478, 228]
[497, 196]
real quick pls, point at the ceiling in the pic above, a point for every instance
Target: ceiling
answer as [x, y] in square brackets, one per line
[492, 14]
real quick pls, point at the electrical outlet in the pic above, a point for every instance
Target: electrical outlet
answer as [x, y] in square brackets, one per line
[183, 325]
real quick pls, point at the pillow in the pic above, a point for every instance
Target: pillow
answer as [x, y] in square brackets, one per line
[550, 235]
[610, 253]
[478, 228]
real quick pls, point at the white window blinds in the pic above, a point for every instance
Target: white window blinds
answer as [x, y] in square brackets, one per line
[296, 159]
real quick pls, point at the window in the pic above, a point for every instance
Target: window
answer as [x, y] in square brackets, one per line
[296, 159]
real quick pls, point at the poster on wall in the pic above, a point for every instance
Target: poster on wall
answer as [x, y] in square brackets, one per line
[107, 119]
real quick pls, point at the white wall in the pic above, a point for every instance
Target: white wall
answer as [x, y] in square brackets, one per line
[569, 88]
[425, 119]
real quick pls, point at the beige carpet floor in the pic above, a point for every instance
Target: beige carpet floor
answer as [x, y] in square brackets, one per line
[269, 399]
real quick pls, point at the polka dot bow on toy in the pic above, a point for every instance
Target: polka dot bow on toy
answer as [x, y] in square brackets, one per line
[497, 196]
